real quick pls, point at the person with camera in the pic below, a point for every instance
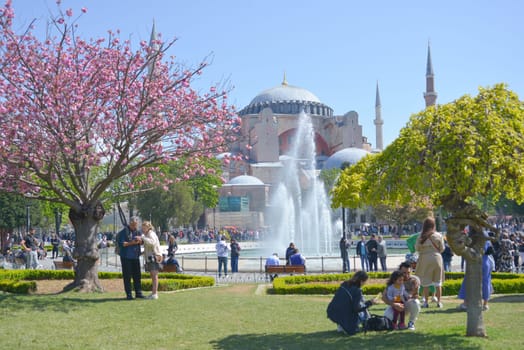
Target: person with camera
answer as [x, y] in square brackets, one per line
[347, 308]
[153, 256]
[129, 242]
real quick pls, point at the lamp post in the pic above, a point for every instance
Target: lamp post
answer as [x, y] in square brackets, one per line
[58, 221]
[344, 223]
[27, 217]
[214, 212]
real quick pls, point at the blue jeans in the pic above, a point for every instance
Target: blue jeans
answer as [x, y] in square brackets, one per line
[31, 260]
[234, 264]
[364, 263]
[222, 263]
[345, 264]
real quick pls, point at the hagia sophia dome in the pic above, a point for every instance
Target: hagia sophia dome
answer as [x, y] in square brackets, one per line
[245, 180]
[287, 99]
[348, 155]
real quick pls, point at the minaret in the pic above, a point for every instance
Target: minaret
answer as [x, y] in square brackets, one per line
[378, 121]
[155, 48]
[430, 95]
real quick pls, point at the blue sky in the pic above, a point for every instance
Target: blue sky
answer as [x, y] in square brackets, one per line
[338, 50]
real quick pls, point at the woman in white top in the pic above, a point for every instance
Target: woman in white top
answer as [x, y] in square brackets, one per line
[152, 256]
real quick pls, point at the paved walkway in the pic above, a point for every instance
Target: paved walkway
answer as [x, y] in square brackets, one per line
[251, 269]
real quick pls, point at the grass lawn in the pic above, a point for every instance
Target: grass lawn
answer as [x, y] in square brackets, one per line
[232, 317]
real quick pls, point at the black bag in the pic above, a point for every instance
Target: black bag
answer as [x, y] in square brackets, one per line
[378, 323]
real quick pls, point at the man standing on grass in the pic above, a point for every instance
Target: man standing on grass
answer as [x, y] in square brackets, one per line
[30, 246]
[129, 241]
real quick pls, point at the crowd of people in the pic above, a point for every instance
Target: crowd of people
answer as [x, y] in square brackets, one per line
[406, 293]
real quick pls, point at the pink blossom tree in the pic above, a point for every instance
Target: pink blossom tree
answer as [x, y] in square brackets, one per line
[78, 115]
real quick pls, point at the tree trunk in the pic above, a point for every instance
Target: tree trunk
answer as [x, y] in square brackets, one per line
[473, 284]
[472, 249]
[85, 251]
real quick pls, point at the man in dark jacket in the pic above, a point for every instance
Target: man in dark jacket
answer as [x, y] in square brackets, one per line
[344, 254]
[372, 247]
[129, 241]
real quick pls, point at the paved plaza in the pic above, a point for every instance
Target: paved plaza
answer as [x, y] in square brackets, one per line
[199, 259]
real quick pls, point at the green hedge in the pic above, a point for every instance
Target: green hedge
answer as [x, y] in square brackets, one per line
[23, 281]
[503, 283]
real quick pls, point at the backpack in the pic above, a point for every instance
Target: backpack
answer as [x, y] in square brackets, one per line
[117, 244]
[378, 323]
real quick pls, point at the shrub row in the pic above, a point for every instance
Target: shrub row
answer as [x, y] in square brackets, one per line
[503, 283]
[24, 281]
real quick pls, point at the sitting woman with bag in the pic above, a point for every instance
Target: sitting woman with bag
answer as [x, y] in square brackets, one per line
[347, 308]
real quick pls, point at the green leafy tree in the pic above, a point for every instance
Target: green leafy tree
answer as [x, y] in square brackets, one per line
[451, 154]
[183, 203]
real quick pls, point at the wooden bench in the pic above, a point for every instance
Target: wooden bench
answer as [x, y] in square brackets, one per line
[170, 268]
[272, 270]
[64, 265]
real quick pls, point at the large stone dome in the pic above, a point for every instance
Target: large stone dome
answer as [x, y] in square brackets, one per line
[245, 180]
[285, 92]
[349, 155]
[287, 99]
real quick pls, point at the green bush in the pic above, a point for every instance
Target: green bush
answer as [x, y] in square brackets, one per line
[504, 283]
[23, 281]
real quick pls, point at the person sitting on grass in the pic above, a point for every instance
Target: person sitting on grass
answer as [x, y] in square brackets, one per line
[412, 306]
[347, 308]
[396, 293]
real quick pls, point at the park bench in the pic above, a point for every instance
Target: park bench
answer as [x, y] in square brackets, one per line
[170, 268]
[64, 265]
[273, 270]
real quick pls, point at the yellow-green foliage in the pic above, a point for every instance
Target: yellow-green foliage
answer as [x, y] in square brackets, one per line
[23, 281]
[503, 283]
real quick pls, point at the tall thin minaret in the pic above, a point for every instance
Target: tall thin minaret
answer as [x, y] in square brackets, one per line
[155, 47]
[430, 95]
[378, 121]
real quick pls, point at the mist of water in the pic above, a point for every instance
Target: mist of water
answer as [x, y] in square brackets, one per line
[300, 211]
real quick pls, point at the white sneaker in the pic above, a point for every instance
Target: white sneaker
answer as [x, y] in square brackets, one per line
[340, 329]
[153, 296]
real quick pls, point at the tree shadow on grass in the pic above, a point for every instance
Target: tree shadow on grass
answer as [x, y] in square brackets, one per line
[334, 340]
[508, 298]
[45, 303]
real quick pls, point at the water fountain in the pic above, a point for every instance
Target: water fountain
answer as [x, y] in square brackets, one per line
[300, 210]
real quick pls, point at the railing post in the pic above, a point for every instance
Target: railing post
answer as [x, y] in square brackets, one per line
[322, 263]
[205, 264]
